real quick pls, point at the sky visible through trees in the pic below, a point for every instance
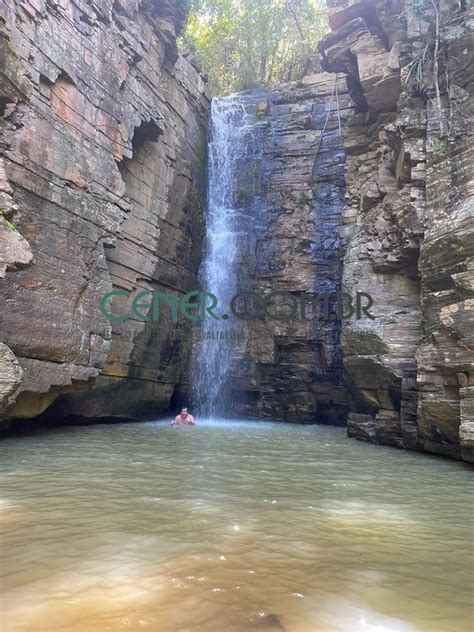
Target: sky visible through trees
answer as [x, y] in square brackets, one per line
[242, 44]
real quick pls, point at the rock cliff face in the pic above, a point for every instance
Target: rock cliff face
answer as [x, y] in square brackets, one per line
[103, 137]
[289, 189]
[102, 148]
[408, 220]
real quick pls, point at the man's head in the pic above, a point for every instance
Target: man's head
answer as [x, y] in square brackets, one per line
[184, 413]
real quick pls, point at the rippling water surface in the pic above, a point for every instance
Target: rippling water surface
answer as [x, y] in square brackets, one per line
[230, 527]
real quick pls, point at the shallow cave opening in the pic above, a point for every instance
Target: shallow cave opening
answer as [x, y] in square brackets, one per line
[146, 132]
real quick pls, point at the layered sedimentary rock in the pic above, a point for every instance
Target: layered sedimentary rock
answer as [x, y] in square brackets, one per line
[103, 127]
[288, 194]
[101, 157]
[408, 220]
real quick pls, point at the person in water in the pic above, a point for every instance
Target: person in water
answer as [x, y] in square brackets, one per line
[183, 419]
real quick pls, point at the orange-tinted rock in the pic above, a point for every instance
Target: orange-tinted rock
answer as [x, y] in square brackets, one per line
[103, 131]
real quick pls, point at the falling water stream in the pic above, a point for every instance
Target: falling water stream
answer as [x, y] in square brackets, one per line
[231, 526]
[234, 143]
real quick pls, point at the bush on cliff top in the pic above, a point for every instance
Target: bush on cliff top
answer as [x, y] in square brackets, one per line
[243, 44]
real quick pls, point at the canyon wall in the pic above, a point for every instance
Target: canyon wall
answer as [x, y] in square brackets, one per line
[408, 220]
[102, 154]
[287, 200]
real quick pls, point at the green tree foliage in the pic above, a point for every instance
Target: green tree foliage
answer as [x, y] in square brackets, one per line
[242, 44]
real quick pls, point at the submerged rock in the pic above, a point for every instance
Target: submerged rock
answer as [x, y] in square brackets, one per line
[268, 623]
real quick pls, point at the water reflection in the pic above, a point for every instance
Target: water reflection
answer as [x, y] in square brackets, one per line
[232, 526]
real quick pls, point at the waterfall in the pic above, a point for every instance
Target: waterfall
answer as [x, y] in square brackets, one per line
[234, 144]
